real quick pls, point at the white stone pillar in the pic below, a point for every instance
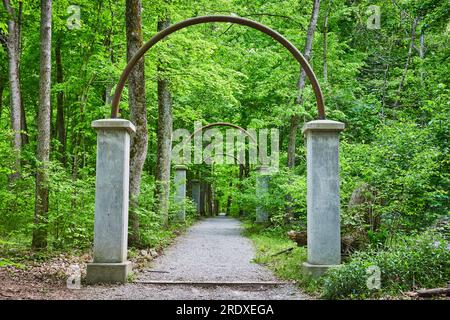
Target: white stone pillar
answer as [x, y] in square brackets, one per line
[323, 199]
[180, 191]
[111, 202]
[262, 188]
[195, 190]
[203, 198]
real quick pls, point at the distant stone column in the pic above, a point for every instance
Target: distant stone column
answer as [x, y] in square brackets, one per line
[195, 190]
[207, 200]
[210, 200]
[323, 200]
[111, 202]
[262, 188]
[213, 201]
[180, 191]
[203, 191]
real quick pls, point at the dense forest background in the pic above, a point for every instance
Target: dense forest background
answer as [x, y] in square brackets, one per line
[389, 84]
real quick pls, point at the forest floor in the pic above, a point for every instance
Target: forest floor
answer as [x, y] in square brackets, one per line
[213, 250]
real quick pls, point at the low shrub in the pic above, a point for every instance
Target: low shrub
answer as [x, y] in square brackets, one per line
[421, 261]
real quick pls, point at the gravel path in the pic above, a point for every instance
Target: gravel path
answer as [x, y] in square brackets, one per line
[212, 250]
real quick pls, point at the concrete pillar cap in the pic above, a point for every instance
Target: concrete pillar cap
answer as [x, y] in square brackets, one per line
[263, 169]
[323, 125]
[115, 124]
[180, 167]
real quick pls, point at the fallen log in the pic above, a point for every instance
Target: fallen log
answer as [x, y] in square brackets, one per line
[426, 293]
[348, 242]
[433, 292]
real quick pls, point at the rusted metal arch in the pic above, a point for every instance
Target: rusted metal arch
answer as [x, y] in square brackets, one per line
[223, 124]
[226, 155]
[206, 19]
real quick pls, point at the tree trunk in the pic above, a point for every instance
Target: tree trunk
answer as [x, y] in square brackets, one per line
[136, 84]
[108, 95]
[203, 198]
[422, 43]
[2, 88]
[164, 137]
[23, 124]
[13, 48]
[43, 127]
[23, 118]
[301, 83]
[241, 177]
[408, 59]
[295, 119]
[422, 52]
[60, 125]
[325, 48]
[109, 47]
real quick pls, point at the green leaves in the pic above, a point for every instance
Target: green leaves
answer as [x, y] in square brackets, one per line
[403, 165]
[413, 263]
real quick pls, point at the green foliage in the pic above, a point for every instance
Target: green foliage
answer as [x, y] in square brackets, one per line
[286, 188]
[412, 263]
[396, 140]
[403, 166]
[8, 263]
[71, 213]
[71, 208]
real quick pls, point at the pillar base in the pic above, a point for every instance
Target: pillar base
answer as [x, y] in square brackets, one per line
[108, 272]
[316, 270]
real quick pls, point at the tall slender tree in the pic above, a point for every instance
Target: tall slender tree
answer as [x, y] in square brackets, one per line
[43, 127]
[301, 83]
[164, 135]
[408, 58]
[295, 119]
[3, 75]
[2, 88]
[139, 140]
[60, 121]
[325, 46]
[12, 41]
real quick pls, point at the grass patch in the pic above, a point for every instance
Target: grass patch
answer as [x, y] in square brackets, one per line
[9, 263]
[131, 277]
[268, 243]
